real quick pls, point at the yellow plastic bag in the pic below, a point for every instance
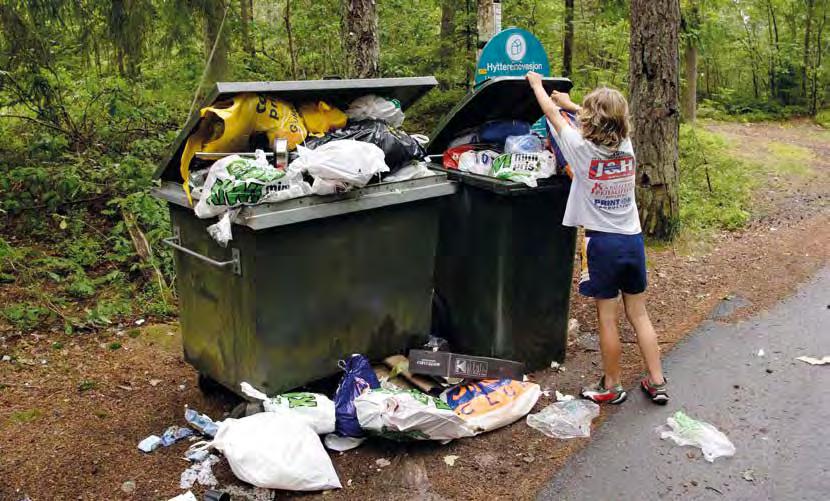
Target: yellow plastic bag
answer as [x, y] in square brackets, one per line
[227, 126]
[278, 118]
[320, 117]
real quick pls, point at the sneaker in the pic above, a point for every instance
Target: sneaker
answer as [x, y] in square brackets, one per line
[598, 393]
[656, 392]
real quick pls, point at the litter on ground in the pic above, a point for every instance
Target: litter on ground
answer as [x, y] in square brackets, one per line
[684, 430]
[815, 361]
[568, 419]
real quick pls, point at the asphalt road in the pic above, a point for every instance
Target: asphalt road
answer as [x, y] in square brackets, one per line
[775, 409]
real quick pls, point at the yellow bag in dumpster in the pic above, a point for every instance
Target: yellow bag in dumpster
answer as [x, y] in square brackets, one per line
[227, 126]
[320, 117]
[278, 118]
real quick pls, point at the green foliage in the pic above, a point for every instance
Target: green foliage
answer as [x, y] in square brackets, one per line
[705, 161]
[25, 316]
[823, 118]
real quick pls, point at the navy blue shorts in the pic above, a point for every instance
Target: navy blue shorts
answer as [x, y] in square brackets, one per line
[612, 262]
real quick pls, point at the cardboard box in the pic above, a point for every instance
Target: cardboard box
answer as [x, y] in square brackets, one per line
[446, 364]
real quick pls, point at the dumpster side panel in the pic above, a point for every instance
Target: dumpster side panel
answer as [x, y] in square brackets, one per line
[542, 278]
[503, 271]
[215, 305]
[355, 283]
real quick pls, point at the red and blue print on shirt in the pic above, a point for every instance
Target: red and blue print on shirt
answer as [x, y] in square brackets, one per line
[612, 168]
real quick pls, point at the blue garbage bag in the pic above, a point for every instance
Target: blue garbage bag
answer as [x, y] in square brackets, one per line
[496, 132]
[561, 164]
[358, 377]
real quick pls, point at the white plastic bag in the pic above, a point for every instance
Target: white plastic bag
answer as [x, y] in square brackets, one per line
[235, 181]
[345, 161]
[412, 171]
[315, 409]
[376, 108]
[276, 450]
[408, 415]
[688, 431]
[492, 403]
[221, 231]
[477, 162]
[568, 419]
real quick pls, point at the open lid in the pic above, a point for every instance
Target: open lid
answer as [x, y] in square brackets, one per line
[501, 98]
[337, 92]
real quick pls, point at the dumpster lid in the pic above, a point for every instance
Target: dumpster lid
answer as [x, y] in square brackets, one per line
[501, 98]
[337, 92]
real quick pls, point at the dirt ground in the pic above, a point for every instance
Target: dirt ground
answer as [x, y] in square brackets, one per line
[71, 415]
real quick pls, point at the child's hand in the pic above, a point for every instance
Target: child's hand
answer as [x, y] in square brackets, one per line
[562, 99]
[533, 78]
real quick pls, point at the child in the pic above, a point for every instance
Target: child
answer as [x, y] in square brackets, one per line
[602, 201]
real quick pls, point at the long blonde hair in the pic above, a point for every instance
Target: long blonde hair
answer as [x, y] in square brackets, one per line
[604, 117]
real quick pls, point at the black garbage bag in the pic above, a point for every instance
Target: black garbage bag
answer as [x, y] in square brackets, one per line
[400, 148]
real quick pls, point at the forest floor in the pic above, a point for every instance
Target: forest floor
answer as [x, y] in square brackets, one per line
[72, 413]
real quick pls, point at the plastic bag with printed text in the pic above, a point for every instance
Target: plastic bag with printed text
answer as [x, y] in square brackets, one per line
[405, 415]
[315, 409]
[490, 404]
[235, 181]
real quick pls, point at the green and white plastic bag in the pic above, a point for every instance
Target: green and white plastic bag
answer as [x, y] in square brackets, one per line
[684, 430]
[315, 409]
[405, 415]
[524, 167]
[235, 181]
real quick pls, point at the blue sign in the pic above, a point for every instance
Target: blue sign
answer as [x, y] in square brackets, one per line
[512, 52]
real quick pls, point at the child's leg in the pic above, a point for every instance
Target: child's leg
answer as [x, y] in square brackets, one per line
[635, 310]
[609, 341]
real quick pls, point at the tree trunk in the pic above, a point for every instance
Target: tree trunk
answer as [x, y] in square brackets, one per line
[567, 44]
[654, 84]
[246, 16]
[815, 68]
[486, 23]
[291, 54]
[807, 33]
[214, 13]
[690, 92]
[446, 39]
[468, 37]
[361, 37]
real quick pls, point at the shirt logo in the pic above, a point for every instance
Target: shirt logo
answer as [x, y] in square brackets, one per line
[612, 168]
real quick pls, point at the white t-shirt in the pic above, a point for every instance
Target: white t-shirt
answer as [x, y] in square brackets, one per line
[602, 190]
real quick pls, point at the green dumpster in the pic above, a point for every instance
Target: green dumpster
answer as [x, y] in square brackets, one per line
[504, 262]
[306, 281]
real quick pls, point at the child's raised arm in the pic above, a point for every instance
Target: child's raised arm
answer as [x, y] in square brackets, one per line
[549, 108]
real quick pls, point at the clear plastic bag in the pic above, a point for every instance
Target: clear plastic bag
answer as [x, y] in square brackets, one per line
[528, 143]
[570, 419]
[684, 430]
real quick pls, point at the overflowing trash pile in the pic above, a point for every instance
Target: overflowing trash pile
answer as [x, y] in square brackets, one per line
[504, 149]
[254, 148]
[283, 444]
